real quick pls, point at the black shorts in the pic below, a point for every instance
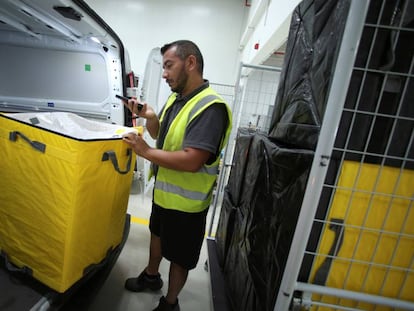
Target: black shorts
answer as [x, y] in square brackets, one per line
[181, 234]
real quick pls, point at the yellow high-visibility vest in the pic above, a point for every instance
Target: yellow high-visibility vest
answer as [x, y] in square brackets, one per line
[187, 191]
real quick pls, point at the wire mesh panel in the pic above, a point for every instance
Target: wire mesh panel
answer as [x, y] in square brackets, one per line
[258, 87]
[365, 218]
[258, 99]
[360, 251]
[252, 101]
[225, 90]
[228, 93]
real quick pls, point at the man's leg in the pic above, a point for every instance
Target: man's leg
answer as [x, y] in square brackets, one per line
[177, 278]
[149, 278]
[155, 256]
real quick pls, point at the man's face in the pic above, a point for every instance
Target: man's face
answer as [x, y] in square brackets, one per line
[174, 71]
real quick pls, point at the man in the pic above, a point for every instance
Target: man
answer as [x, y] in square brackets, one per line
[191, 130]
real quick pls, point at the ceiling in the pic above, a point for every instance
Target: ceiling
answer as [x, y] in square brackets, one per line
[276, 59]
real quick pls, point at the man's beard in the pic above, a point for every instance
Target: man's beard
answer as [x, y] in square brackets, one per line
[181, 82]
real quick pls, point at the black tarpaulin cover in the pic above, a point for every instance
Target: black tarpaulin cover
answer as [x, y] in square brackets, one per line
[240, 159]
[225, 227]
[232, 193]
[313, 43]
[263, 222]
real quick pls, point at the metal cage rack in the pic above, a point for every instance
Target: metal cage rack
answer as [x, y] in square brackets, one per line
[251, 109]
[353, 248]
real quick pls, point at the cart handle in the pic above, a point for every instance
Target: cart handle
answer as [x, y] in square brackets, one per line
[35, 144]
[12, 268]
[321, 274]
[112, 156]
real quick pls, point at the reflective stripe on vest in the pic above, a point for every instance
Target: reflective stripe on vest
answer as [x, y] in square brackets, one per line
[201, 103]
[193, 195]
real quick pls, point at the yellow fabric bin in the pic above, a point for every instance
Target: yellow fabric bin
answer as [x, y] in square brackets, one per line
[376, 249]
[63, 200]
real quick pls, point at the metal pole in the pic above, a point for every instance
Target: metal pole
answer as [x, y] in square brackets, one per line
[263, 67]
[42, 304]
[337, 94]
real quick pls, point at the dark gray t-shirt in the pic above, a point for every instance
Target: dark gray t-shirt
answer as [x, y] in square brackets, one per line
[205, 132]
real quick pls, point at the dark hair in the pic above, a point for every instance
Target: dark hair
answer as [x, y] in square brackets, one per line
[184, 49]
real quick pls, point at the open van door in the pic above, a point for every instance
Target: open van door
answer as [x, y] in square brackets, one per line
[59, 55]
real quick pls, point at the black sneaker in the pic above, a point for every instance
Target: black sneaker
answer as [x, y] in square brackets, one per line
[165, 306]
[143, 282]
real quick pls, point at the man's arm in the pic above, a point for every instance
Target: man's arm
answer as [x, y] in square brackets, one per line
[188, 160]
[153, 126]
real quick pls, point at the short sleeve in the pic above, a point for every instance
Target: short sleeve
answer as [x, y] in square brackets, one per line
[207, 130]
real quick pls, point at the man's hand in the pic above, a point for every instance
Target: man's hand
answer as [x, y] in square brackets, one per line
[136, 142]
[142, 110]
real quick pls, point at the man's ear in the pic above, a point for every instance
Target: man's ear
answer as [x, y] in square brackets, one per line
[191, 62]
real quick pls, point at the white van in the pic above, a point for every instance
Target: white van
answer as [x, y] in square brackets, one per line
[59, 56]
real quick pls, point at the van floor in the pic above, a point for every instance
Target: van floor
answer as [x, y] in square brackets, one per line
[196, 294]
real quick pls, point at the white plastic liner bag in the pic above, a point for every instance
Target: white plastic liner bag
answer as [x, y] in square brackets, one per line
[73, 125]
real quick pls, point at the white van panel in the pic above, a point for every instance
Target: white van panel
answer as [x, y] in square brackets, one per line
[58, 55]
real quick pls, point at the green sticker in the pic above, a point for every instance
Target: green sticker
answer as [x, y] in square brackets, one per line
[87, 67]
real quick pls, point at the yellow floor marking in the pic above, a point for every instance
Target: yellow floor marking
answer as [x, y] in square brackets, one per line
[138, 220]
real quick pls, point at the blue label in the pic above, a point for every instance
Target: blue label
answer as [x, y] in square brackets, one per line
[51, 104]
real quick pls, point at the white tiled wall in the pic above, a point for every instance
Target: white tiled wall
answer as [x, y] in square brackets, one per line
[258, 98]
[255, 95]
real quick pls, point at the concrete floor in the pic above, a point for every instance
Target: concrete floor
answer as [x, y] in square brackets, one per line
[196, 294]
